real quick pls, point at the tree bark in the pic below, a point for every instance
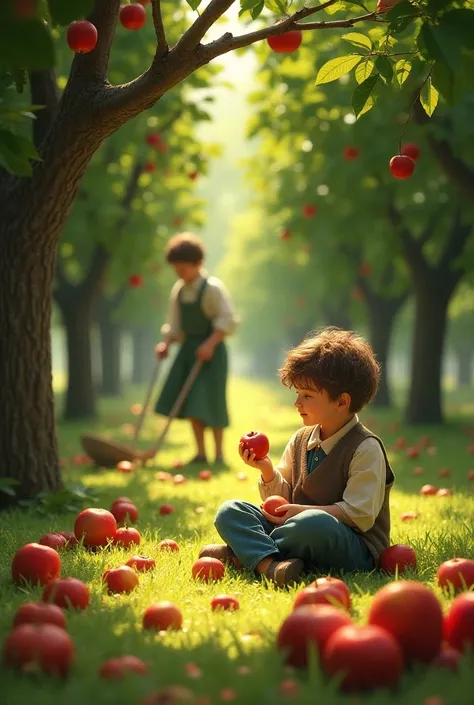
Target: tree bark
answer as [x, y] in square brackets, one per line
[27, 431]
[80, 400]
[382, 315]
[464, 359]
[425, 397]
[110, 346]
[144, 339]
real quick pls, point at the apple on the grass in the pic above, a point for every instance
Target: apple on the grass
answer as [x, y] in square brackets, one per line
[205, 474]
[34, 563]
[117, 668]
[39, 613]
[412, 452]
[308, 628]
[470, 475]
[256, 442]
[365, 657]
[142, 564]
[168, 545]
[444, 492]
[161, 616]
[398, 557]
[417, 471]
[127, 536]
[448, 658]
[166, 509]
[67, 592]
[408, 516]
[121, 580]
[124, 512]
[428, 490]
[322, 595]
[208, 569]
[413, 615]
[125, 466]
[71, 541]
[459, 623]
[456, 574]
[179, 479]
[337, 583]
[224, 602]
[272, 503]
[96, 527]
[44, 646]
[444, 472]
[55, 541]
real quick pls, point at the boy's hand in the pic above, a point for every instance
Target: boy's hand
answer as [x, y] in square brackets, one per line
[205, 352]
[264, 465]
[290, 510]
[161, 350]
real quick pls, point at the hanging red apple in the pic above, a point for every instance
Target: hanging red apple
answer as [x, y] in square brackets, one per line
[401, 166]
[286, 43]
[81, 37]
[309, 210]
[132, 16]
[351, 153]
[135, 281]
[410, 149]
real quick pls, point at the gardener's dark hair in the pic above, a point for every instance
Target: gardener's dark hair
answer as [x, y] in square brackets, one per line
[338, 361]
[185, 247]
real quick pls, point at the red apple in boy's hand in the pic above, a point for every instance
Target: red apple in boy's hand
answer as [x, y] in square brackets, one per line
[398, 557]
[272, 503]
[457, 573]
[308, 627]
[161, 616]
[256, 442]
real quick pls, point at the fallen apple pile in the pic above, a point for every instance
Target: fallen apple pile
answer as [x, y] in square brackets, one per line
[405, 621]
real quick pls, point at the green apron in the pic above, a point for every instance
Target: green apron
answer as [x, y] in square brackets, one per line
[207, 399]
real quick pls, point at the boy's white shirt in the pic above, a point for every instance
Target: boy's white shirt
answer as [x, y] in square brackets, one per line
[365, 490]
[216, 305]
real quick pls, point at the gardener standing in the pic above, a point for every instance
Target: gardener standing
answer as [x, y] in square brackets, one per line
[200, 317]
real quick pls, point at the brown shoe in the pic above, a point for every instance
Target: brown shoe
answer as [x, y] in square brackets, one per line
[285, 572]
[221, 552]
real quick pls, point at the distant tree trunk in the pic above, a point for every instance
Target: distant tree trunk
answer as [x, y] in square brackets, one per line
[464, 359]
[80, 400]
[266, 361]
[336, 314]
[144, 339]
[110, 345]
[382, 316]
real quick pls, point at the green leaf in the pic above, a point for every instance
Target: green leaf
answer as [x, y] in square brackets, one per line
[443, 79]
[359, 40]
[194, 4]
[278, 6]
[257, 10]
[429, 97]
[385, 68]
[62, 13]
[460, 23]
[332, 9]
[401, 16]
[12, 155]
[25, 44]
[335, 68]
[438, 44]
[363, 70]
[246, 5]
[8, 490]
[365, 95]
[402, 70]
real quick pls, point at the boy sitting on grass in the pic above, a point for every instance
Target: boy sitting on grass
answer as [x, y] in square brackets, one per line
[334, 471]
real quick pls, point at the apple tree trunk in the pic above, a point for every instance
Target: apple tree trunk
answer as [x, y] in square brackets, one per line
[110, 346]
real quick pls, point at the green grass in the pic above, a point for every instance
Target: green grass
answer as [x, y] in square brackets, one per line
[221, 643]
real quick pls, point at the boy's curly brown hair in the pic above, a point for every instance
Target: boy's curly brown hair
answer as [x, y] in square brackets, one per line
[185, 247]
[338, 361]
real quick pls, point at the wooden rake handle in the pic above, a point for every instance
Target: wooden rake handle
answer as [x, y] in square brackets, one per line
[149, 392]
[191, 378]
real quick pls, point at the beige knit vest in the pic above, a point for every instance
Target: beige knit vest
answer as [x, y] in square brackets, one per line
[326, 483]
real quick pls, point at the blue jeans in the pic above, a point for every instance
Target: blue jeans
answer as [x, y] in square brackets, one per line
[319, 539]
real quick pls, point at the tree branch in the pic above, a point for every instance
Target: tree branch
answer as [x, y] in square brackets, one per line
[95, 63]
[204, 22]
[427, 231]
[163, 47]
[454, 167]
[228, 42]
[44, 91]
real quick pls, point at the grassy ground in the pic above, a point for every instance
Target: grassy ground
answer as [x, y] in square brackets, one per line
[220, 644]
